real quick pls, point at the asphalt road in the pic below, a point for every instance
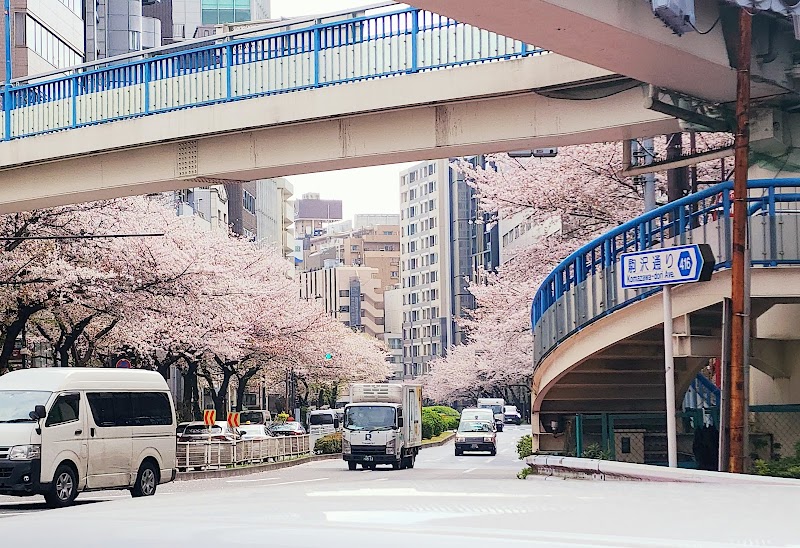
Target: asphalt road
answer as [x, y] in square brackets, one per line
[444, 501]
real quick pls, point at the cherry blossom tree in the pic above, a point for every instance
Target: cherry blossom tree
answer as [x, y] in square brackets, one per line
[568, 200]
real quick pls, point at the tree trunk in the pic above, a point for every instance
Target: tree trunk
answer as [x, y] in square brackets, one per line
[241, 387]
[191, 398]
[13, 331]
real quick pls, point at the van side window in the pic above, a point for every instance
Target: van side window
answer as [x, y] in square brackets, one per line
[65, 409]
[111, 409]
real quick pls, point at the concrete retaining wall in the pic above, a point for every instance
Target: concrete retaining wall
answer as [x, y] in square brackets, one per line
[604, 470]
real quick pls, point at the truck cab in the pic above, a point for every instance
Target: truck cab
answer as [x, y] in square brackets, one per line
[382, 425]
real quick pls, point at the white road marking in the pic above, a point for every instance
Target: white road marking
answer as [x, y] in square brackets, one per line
[6, 514]
[297, 481]
[381, 479]
[468, 470]
[251, 480]
[491, 459]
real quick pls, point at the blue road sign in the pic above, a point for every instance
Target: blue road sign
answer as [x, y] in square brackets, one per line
[123, 364]
[666, 266]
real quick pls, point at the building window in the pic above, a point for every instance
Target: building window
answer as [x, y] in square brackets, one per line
[353, 248]
[344, 308]
[394, 274]
[344, 292]
[249, 202]
[215, 12]
[48, 46]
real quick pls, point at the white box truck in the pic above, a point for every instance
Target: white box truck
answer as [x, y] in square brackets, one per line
[382, 425]
[497, 406]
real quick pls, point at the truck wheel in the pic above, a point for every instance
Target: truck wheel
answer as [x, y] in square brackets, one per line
[398, 464]
[351, 465]
[411, 460]
[459, 452]
[64, 488]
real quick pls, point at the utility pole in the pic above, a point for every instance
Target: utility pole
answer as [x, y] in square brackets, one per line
[677, 180]
[738, 397]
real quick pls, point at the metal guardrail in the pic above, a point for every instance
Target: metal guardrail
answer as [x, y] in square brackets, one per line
[702, 393]
[585, 286]
[234, 68]
[221, 454]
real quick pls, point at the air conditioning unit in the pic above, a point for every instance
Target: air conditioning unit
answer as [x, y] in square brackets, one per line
[676, 14]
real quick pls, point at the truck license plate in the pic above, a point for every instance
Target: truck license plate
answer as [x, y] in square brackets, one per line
[367, 458]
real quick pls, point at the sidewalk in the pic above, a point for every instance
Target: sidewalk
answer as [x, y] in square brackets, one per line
[605, 470]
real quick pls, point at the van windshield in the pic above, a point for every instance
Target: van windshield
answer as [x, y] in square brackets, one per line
[253, 417]
[496, 409]
[322, 418]
[16, 405]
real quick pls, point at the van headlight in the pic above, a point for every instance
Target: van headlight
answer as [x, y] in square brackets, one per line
[488, 439]
[460, 439]
[390, 445]
[346, 450]
[25, 452]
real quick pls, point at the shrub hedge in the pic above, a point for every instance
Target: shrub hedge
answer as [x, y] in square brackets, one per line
[438, 418]
[330, 444]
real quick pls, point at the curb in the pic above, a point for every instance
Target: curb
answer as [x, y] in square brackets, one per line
[603, 470]
[254, 469]
[439, 443]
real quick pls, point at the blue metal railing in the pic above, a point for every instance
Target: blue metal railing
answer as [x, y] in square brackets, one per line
[584, 287]
[702, 393]
[229, 69]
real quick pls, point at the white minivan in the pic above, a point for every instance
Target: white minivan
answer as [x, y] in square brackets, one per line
[66, 430]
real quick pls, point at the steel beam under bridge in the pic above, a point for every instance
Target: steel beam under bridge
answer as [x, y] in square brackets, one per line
[623, 36]
[483, 108]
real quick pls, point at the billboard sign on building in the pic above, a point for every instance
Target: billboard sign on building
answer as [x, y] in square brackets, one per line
[355, 302]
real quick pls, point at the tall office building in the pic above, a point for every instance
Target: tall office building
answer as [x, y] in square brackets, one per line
[180, 19]
[444, 244]
[117, 27]
[45, 36]
[275, 214]
[311, 214]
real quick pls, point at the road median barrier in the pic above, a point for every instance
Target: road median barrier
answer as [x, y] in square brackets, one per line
[245, 470]
[442, 439]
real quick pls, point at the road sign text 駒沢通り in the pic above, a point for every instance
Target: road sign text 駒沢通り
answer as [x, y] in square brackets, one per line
[666, 266]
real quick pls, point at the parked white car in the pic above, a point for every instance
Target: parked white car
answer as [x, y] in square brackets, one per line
[254, 432]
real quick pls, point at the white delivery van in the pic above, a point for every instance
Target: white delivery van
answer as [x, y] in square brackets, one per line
[496, 405]
[322, 422]
[66, 430]
[382, 425]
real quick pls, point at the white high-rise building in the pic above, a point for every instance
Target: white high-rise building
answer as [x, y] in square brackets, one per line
[443, 244]
[425, 264]
[275, 214]
[45, 36]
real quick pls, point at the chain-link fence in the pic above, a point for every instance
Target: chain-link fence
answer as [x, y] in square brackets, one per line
[774, 433]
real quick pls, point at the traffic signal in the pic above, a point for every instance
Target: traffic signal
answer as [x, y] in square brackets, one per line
[328, 356]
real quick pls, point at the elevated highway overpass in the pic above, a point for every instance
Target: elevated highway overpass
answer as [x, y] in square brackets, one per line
[598, 348]
[372, 89]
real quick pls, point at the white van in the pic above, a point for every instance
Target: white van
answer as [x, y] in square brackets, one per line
[68, 430]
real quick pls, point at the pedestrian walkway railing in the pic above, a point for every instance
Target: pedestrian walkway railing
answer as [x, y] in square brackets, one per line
[222, 454]
[231, 68]
[585, 286]
[702, 393]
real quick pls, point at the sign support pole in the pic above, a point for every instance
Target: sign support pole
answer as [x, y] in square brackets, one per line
[669, 378]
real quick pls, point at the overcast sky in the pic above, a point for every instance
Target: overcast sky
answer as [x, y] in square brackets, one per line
[365, 190]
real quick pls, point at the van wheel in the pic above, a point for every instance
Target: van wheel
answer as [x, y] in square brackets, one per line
[64, 489]
[146, 481]
[351, 465]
